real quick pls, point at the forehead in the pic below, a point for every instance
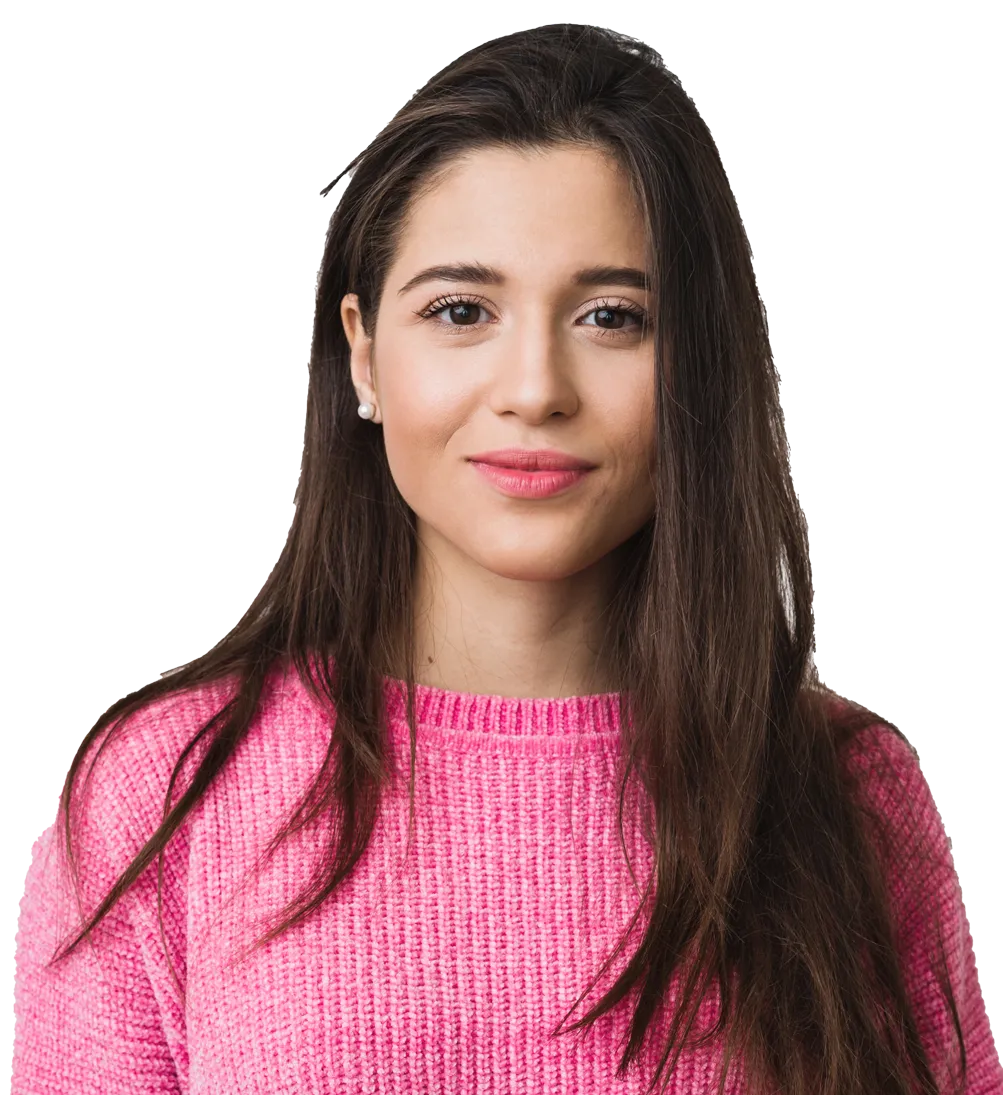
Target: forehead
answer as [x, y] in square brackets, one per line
[555, 207]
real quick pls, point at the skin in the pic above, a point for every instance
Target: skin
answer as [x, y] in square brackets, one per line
[509, 591]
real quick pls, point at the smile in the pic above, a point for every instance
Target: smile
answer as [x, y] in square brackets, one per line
[531, 484]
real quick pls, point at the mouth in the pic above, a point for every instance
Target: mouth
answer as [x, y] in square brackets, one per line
[531, 467]
[520, 482]
[532, 460]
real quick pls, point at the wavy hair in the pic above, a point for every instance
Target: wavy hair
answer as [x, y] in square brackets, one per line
[765, 879]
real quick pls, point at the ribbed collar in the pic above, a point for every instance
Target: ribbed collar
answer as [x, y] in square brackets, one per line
[510, 715]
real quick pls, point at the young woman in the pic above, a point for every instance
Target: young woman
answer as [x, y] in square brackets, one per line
[525, 720]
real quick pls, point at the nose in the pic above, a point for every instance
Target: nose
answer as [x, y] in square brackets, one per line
[533, 375]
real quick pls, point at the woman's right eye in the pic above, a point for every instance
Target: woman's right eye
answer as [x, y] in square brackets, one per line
[462, 311]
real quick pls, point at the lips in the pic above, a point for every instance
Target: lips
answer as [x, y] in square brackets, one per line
[532, 460]
[535, 483]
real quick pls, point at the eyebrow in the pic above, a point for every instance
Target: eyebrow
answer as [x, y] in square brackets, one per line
[626, 276]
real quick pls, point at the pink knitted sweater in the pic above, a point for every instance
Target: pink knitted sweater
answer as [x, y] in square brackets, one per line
[442, 973]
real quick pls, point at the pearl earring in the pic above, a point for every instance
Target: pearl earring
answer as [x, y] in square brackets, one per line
[366, 410]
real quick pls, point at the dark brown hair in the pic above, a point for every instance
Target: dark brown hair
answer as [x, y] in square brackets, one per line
[764, 869]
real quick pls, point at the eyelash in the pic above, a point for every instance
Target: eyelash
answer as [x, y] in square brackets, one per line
[440, 304]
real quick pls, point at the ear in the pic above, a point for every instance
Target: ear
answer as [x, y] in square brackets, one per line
[363, 374]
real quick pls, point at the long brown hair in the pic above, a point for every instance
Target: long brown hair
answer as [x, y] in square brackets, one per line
[765, 877]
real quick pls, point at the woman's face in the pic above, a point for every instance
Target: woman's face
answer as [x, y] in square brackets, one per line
[523, 356]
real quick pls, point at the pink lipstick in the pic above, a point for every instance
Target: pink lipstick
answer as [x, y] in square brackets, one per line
[529, 484]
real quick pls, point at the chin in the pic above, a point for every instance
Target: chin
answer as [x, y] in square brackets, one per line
[522, 564]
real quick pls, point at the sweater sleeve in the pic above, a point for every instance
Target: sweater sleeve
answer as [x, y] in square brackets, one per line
[93, 1023]
[925, 889]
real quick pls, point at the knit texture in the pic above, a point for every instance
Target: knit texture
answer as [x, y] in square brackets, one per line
[444, 971]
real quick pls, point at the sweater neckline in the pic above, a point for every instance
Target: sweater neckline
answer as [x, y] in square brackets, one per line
[512, 716]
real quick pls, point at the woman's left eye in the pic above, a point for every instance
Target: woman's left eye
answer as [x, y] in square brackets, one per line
[627, 316]
[624, 317]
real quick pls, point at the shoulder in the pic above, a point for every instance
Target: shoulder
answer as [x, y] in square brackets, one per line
[884, 770]
[884, 766]
[887, 781]
[122, 784]
[882, 758]
[144, 762]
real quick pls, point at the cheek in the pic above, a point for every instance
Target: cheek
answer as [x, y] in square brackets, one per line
[629, 424]
[414, 459]
[418, 423]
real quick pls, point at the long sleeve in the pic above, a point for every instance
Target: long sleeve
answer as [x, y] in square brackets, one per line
[91, 1024]
[926, 886]
[103, 1020]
